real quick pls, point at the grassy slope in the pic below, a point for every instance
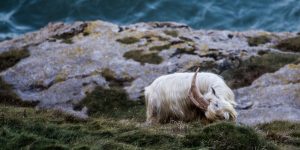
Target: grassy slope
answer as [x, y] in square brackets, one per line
[118, 125]
[24, 127]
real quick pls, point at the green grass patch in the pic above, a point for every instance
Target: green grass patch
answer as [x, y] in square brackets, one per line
[110, 76]
[282, 132]
[8, 97]
[254, 67]
[160, 47]
[9, 59]
[172, 33]
[227, 136]
[68, 41]
[46, 129]
[128, 40]
[290, 44]
[180, 51]
[67, 37]
[12, 57]
[143, 57]
[113, 102]
[258, 40]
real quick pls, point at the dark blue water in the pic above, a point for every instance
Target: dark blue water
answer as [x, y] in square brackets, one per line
[20, 16]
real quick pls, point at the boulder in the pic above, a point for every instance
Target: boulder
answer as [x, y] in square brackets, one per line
[68, 61]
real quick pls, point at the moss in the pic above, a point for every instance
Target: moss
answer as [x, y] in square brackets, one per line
[145, 139]
[227, 136]
[257, 40]
[282, 132]
[160, 47]
[128, 40]
[151, 38]
[69, 34]
[117, 146]
[254, 67]
[206, 66]
[8, 97]
[68, 41]
[172, 33]
[113, 102]
[290, 44]
[108, 74]
[12, 57]
[143, 57]
[85, 33]
[62, 76]
[180, 51]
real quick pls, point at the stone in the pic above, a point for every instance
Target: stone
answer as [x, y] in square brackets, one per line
[68, 61]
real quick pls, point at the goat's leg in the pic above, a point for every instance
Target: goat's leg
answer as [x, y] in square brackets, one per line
[151, 114]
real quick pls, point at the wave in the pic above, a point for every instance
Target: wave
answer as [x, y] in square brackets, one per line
[20, 16]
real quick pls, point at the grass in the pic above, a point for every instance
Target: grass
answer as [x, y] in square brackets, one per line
[128, 40]
[160, 47]
[8, 96]
[111, 77]
[283, 133]
[113, 102]
[143, 57]
[12, 57]
[258, 40]
[46, 129]
[67, 37]
[68, 41]
[254, 67]
[290, 44]
[9, 59]
[180, 51]
[172, 33]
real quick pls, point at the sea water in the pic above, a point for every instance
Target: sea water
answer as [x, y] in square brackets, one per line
[20, 16]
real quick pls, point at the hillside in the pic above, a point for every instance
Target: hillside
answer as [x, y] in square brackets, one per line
[81, 86]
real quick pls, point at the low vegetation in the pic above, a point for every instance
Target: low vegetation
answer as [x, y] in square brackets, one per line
[128, 40]
[160, 47]
[285, 134]
[117, 123]
[27, 128]
[12, 57]
[172, 33]
[258, 40]
[9, 59]
[113, 102]
[180, 51]
[8, 96]
[143, 57]
[290, 44]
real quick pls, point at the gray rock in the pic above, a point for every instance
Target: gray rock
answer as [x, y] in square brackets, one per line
[275, 96]
[68, 61]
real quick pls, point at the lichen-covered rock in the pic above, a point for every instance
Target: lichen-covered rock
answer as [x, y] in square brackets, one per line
[66, 62]
[273, 96]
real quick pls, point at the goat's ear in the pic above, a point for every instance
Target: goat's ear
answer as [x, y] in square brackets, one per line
[213, 91]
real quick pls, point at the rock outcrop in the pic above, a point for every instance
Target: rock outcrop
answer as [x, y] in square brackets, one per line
[274, 96]
[68, 61]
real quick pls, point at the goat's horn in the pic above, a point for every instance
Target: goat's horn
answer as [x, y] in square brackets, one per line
[195, 96]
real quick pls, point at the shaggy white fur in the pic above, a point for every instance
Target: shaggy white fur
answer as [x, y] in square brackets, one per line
[166, 98]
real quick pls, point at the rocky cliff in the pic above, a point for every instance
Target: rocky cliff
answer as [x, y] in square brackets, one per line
[61, 64]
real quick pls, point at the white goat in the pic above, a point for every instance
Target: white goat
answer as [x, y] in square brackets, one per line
[179, 96]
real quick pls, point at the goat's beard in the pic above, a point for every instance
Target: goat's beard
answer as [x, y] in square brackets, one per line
[212, 114]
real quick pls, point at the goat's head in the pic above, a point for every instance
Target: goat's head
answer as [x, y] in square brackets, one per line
[214, 107]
